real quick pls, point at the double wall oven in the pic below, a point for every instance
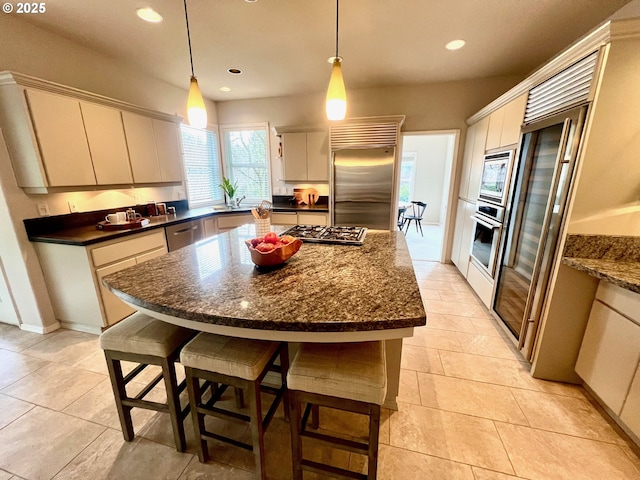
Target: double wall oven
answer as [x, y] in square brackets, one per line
[490, 208]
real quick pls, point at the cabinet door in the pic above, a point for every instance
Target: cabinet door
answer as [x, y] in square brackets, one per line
[63, 144]
[318, 156]
[284, 218]
[477, 159]
[512, 122]
[168, 150]
[142, 148]
[313, 218]
[227, 222]
[149, 255]
[114, 308]
[631, 411]
[495, 129]
[107, 144]
[467, 237]
[609, 355]
[209, 227]
[294, 153]
[457, 234]
[466, 162]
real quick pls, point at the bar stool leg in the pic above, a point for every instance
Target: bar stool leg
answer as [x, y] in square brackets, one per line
[195, 396]
[284, 369]
[173, 400]
[257, 428]
[117, 382]
[374, 434]
[296, 439]
[315, 416]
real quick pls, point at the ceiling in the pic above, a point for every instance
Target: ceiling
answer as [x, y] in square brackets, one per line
[282, 46]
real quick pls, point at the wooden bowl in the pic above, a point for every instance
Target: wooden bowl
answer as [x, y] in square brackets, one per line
[276, 256]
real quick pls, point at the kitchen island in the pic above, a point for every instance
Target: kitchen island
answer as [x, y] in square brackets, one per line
[324, 293]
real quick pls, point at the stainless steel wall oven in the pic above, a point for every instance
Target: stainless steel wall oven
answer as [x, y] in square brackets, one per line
[487, 231]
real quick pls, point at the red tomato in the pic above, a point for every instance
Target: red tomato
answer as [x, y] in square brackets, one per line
[271, 237]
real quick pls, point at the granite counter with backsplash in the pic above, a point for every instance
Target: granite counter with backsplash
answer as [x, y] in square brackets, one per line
[615, 259]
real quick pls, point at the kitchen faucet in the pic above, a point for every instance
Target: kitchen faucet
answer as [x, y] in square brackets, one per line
[240, 200]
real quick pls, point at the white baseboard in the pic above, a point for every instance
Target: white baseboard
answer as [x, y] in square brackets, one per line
[40, 328]
[78, 327]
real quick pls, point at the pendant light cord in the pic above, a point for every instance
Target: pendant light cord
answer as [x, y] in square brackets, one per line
[337, 17]
[186, 16]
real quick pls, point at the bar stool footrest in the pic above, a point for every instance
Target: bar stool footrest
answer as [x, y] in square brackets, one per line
[206, 435]
[319, 468]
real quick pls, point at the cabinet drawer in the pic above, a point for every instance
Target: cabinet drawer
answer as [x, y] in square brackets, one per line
[233, 221]
[623, 301]
[284, 218]
[114, 308]
[127, 248]
[312, 218]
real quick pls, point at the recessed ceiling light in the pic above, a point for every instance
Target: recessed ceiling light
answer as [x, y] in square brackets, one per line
[234, 71]
[148, 14]
[225, 89]
[455, 44]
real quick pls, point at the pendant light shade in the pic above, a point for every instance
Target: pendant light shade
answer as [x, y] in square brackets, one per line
[336, 93]
[336, 103]
[196, 112]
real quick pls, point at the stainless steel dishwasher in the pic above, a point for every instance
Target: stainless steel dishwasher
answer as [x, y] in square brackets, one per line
[183, 234]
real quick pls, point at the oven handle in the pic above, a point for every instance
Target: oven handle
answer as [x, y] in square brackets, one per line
[485, 222]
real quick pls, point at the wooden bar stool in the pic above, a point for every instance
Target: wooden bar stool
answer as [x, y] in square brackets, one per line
[345, 376]
[146, 341]
[242, 363]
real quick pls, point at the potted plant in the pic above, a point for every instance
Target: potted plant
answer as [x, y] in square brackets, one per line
[229, 190]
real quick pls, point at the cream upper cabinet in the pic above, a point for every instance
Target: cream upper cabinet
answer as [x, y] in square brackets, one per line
[505, 123]
[466, 162]
[306, 156]
[168, 149]
[107, 143]
[141, 142]
[61, 138]
[477, 159]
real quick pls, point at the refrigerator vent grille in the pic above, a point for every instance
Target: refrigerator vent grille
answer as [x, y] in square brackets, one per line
[564, 90]
[365, 135]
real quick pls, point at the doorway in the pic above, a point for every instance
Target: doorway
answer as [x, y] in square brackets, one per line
[426, 166]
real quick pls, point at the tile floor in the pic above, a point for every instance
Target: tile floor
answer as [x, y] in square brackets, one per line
[468, 409]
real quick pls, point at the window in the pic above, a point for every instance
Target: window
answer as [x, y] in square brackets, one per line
[202, 166]
[407, 176]
[246, 155]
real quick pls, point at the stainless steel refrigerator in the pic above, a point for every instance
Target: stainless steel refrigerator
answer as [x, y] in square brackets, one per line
[542, 180]
[362, 187]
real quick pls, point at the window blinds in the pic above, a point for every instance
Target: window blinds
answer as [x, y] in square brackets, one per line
[202, 165]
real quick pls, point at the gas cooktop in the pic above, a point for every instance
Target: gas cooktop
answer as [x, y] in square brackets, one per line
[322, 234]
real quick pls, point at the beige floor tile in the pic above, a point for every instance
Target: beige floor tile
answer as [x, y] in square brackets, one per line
[443, 286]
[409, 391]
[455, 308]
[385, 426]
[16, 340]
[428, 294]
[98, 405]
[213, 470]
[561, 414]
[66, 347]
[482, 474]
[488, 326]
[12, 408]
[421, 359]
[110, 457]
[434, 338]
[633, 454]
[54, 386]
[5, 475]
[39, 443]
[459, 297]
[397, 463]
[484, 400]
[488, 346]
[14, 366]
[453, 323]
[501, 371]
[537, 454]
[94, 362]
[449, 435]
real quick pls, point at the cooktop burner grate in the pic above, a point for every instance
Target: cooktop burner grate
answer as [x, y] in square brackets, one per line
[322, 234]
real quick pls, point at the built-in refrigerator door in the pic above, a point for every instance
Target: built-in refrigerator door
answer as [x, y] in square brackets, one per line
[547, 158]
[363, 187]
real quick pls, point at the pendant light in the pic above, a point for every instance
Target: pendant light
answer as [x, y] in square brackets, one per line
[196, 112]
[336, 93]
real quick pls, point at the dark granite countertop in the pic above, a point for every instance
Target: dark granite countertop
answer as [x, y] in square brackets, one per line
[89, 234]
[615, 259]
[323, 288]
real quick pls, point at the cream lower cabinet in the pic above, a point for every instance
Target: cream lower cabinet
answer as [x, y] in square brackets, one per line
[610, 352]
[284, 218]
[462, 236]
[228, 222]
[300, 218]
[74, 274]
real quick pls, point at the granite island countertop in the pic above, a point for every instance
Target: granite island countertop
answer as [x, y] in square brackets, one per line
[615, 259]
[323, 288]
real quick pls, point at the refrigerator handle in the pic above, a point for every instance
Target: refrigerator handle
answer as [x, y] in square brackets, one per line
[543, 260]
